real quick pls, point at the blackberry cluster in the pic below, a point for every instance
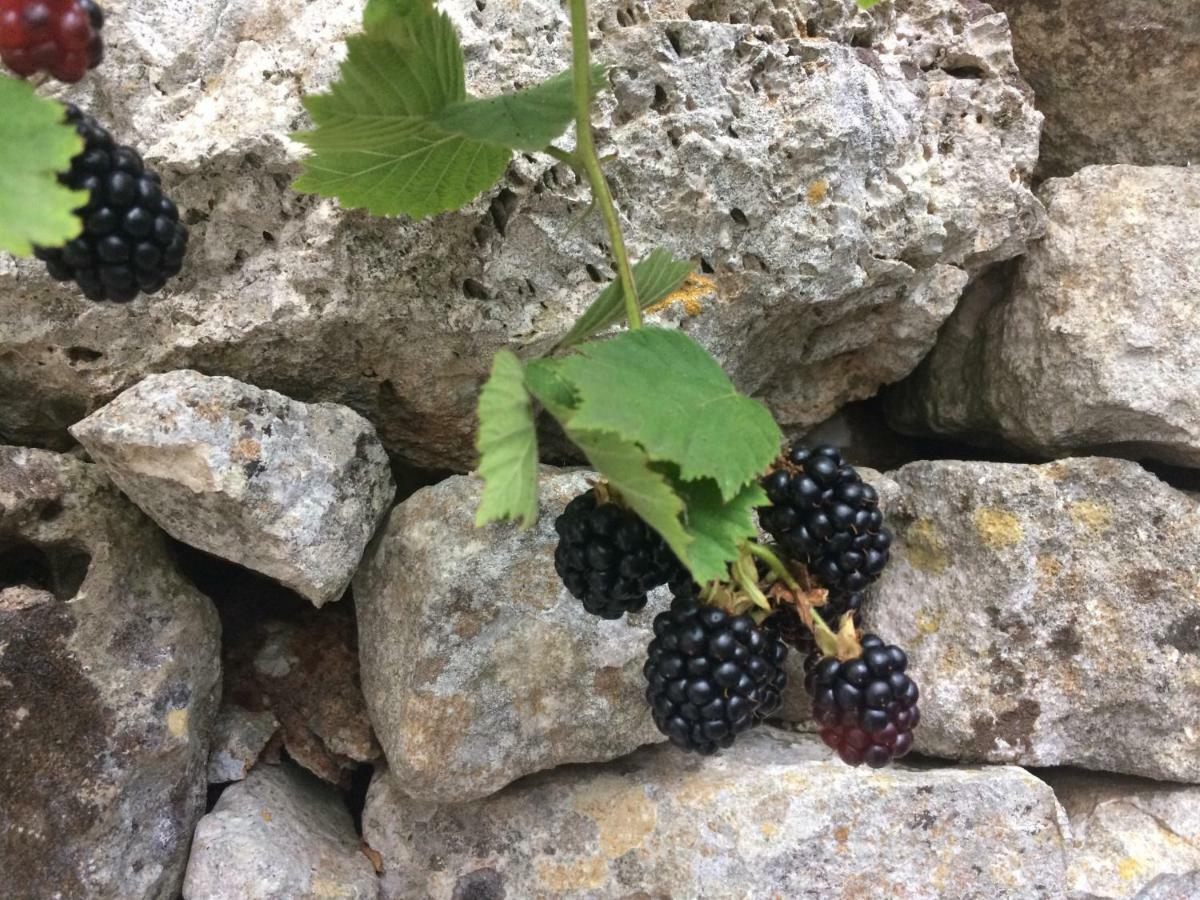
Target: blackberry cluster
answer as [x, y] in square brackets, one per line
[609, 558]
[61, 37]
[132, 239]
[866, 707]
[823, 515]
[711, 675]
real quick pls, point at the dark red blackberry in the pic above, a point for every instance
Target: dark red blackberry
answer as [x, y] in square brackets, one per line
[132, 239]
[711, 675]
[823, 515]
[867, 706]
[61, 37]
[609, 558]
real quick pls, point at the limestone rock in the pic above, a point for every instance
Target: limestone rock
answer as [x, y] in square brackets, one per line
[280, 833]
[109, 677]
[288, 489]
[1093, 347]
[239, 737]
[1046, 613]
[1126, 832]
[1118, 80]
[839, 175]
[772, 817]
[1172, 887]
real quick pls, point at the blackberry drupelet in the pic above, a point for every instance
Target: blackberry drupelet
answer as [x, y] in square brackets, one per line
[867, 706]
[132, 239]
[609, 558]
[711, 675]
[61, 37]
[823, 515]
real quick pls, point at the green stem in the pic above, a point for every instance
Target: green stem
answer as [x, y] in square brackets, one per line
[585, 153]
[565, 156]
[774, 562]
[746, 577]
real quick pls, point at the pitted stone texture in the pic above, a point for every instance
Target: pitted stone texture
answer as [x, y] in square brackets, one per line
[280, 833]
[1172, 887]
[1125, 832]
[109, 677]
[1048, 613]
[1118, 80]
[839, 187]
[772, 817]
[1093, 347]
[292, 490]
[238, 739]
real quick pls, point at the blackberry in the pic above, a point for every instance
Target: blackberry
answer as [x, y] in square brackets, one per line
[867, 706]
[711, 675]
[132, 239]
[609, 558]
[823, 515]
[61, 37]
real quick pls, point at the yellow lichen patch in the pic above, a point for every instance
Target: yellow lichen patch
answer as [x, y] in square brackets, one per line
[930, 623]
[817, 192]
[623, 814]
[925, 549]
[560, 878]
[177, 722]
[1095, 517]
[997, 528]
[1131, 868]
[693, 290]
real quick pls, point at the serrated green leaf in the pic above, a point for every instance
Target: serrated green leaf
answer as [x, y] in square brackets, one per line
[661, 390]
[717, 526]
[507, 444]
[526, 120]
[35, 144]
[544, 381]
[656, 277]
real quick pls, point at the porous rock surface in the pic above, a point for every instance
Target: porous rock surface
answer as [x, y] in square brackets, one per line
[1093, 346]
[774, 816]
[1048, 612]
[288, 489]
[280, 833]
[239, 737]
[109, 679]
[838, 174]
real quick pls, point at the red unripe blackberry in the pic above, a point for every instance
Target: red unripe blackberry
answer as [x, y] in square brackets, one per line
[823, 515]
[61, 37]
[609, 558]
[710, 676]
[132, 239]
[867, 706]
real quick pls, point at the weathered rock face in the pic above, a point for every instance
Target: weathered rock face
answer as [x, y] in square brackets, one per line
[1118, 80]
[1172, 887]
[109, 675]
[1094, 345]
[477, 665]
[1048, 613]
[279, 833]
[771, 817]
[239, 737]
[839, 186]
[291, 490]
[1125, 832]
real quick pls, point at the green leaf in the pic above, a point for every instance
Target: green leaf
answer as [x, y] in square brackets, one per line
[507, 445]
[656, 277]
[35, 144]
[661, 390]
[866, 4]
[545, 382]
[527, 120]
[717, 526]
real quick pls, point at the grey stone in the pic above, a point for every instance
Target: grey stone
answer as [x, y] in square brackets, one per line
[239, 737]
[109, 679]
[1045, 613]
[841, 187]
[1172, 887]
[280, 833]
[288, 489]
[772, 817]
[1126, 832]
[1118, 80]
[1093, 348]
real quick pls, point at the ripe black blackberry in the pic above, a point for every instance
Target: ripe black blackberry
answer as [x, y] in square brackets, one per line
[609, 558]
[132, 239]
[711, 675]
[823, 515]
[867, 706]
[61, 37]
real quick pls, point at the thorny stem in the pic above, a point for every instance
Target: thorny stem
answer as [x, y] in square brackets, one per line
[585, 155]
